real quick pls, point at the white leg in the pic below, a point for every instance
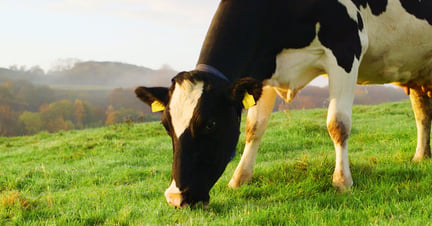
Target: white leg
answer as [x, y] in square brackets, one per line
[422, 108]
[341, 86]
[256, 123]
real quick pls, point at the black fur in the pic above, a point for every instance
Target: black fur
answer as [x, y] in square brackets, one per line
[246, 35]
[377, 6]
[250, 85]
[420, 9]
[148, 95]
[340, 34]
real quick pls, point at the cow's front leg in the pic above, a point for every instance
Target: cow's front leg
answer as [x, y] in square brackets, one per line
[422, 108]
[256, 123]
[341, 87]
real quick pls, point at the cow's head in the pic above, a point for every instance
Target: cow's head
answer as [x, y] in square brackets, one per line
[201, 113]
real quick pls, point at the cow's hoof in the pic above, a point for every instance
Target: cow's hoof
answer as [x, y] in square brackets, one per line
[234, 184]
[239, 179]
[418, 157]
[342, 182]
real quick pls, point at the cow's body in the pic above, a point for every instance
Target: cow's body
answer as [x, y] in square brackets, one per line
[284, 45]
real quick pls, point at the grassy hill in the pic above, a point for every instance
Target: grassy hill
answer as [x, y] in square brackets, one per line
[117, 175]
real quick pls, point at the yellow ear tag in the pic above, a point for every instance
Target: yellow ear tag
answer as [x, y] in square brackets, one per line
[157, 106]
[248, 100]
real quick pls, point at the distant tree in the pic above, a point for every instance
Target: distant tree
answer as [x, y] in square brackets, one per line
[128, 115]
[8, 121]
[79, 114]
[36, 70]
[44, 107]
[125, 98]
[93, 115]
[58, 116]
[6, 97]
[64, 64]
[63, 108]
[32, 122]
[111, 116]
[57, 124]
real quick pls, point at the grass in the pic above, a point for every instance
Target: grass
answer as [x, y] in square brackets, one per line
[117, 175]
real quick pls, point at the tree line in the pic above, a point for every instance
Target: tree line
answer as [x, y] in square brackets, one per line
[76, 95]
[26, 108]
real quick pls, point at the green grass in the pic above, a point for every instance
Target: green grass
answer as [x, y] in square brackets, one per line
[117, 175]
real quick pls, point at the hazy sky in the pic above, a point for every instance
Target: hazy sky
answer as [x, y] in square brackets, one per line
[143, 32]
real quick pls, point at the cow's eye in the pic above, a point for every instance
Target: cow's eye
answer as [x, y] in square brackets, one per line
[210, 125]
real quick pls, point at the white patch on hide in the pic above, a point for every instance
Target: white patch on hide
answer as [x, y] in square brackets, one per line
[183, 103]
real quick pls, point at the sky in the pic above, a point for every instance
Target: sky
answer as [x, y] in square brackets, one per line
[149, 33]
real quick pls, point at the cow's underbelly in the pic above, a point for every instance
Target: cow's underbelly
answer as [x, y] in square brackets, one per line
[414, 68]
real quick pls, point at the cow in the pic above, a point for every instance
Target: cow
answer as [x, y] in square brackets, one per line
[257, 49]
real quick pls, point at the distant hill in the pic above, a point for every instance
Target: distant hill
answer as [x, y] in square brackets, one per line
[92, 94]
[93, 73]
[110, 75]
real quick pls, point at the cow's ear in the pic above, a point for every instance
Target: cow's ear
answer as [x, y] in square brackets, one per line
[246, 91]
[155, 97]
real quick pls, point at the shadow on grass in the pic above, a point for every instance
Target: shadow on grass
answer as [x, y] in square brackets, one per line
[311, 181]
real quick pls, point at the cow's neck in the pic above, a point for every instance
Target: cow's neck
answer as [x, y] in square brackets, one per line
[232, 40]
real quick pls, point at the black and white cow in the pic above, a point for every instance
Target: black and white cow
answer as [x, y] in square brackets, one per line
[256, 49]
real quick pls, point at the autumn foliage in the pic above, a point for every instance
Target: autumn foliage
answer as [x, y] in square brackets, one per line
[26, 108]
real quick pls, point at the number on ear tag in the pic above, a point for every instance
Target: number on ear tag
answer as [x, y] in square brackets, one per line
[157, 106]
[248, 101]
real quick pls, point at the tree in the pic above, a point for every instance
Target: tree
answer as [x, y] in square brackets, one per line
[58, 116]
[8, 121]
[111, 116]
[32, 122]
[58, 123]
[64, 108]
[79, 113]
[125, 98]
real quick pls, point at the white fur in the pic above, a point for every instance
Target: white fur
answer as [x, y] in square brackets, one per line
[400, 47]
[173, 189]
[183, 103]
[173, 194]
[295, 68]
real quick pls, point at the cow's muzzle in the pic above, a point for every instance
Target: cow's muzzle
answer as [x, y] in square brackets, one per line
[183, 199]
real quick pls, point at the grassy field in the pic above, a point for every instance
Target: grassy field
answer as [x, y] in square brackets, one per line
[117, 175]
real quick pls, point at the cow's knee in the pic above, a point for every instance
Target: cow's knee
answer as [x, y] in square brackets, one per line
[339, 127]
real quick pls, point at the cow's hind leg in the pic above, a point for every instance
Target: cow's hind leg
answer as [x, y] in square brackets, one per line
[422, 107]
[256, 123]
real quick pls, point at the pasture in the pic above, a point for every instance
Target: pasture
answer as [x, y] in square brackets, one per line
[117, 176]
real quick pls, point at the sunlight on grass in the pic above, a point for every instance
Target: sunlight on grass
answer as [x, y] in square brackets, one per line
[117, 175]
